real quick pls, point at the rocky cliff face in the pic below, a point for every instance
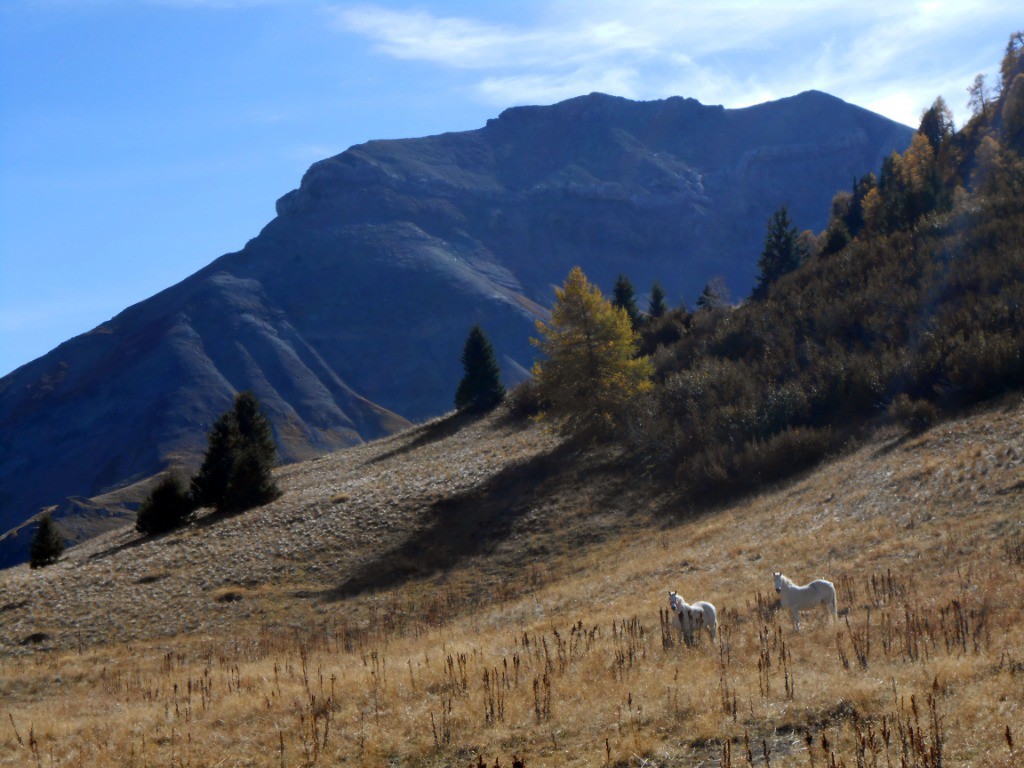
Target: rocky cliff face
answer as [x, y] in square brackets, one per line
[347, 314]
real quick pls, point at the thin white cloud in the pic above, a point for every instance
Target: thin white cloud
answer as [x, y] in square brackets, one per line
[516, 89]
[219, 4]
[895, 57]
[453, 42]
[78, 5]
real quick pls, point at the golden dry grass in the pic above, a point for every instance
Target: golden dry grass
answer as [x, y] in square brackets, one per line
[283, 638]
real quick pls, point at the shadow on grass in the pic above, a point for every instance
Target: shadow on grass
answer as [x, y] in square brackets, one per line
[459, 527]
[431, 433]
[123, 546]
[194, 522]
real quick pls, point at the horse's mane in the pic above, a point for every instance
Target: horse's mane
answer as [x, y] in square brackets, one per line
[783, 577]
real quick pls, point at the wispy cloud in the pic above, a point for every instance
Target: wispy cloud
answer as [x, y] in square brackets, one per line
[889, 56]
[79, 5]
[220, 4]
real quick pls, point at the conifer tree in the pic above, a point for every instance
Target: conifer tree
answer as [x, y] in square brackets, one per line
[210, 486]
[657, 306]
[167, 507]
[254, 430]
[236, 470]
[919, 176]
[252, 484]
[937, 124]
[624, 297]
[47, 544]
[481, 388]
[782, 252]
[836, 237]
[590, 372]
[715, 294]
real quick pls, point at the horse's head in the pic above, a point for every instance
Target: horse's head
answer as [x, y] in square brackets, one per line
[674, 601]
[778, 581]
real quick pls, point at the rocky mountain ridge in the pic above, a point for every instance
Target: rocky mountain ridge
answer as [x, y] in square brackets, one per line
[346, 315]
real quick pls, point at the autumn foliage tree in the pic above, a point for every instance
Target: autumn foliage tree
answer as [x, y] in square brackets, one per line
[590, 372]
[911, 310]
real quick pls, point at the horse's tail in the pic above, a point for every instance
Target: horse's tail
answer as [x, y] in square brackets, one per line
[832, 602]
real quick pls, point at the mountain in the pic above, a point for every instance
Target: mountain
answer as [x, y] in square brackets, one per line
[347, 314]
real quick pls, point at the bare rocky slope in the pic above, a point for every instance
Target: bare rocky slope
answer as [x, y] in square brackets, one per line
[347, 314]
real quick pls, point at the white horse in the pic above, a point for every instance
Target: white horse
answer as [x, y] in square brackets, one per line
[693, 617]
[805, 598]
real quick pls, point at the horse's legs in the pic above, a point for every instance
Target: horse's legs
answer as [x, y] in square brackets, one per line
[685, 633]
[829, 606]
[795, 612]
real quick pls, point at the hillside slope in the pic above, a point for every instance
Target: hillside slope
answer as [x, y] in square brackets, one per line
[347, 313]
[481, 541]
[493, 498]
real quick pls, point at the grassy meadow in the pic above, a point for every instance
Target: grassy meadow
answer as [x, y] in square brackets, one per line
[549, 645]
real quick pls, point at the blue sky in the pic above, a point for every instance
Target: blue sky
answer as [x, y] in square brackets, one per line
[141, 139]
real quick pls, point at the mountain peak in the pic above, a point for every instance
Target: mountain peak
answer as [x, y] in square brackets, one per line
[346, 315]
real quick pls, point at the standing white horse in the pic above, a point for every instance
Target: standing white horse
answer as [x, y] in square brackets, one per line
[805, 598]
[693, 617]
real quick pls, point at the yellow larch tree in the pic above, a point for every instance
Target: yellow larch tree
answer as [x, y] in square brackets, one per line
[591, 371]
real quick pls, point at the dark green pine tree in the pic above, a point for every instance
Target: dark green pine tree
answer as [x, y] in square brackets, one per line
[254, 429]
[837, 237]
[251, 483]
[657, 306]
[782, 252]
[47, 544]
[624, 297]
[236, 470]
[167, 507]
[481, 388]
[210, 486]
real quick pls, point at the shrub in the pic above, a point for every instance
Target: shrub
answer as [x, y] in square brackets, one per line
[719, 472]
[47, 544]
[663, 330]
[524, 401]
[915, 415]
[167, 507]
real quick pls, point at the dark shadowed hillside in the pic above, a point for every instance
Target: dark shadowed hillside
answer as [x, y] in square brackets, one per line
[346, 315]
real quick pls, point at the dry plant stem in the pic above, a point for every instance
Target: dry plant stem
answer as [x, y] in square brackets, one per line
[568, 661]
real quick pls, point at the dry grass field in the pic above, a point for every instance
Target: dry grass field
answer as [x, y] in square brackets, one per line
[474, 593]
